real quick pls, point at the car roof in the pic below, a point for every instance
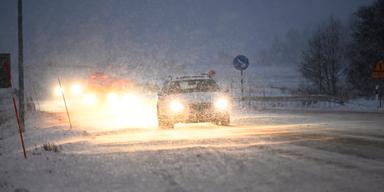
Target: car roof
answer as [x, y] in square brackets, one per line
[191, 77]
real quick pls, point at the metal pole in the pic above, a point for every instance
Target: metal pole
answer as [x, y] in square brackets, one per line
[249, 95]
[65, 104]
[20, 67]
[378, 94]
[242, 85]
[381, 91]
[36, 99]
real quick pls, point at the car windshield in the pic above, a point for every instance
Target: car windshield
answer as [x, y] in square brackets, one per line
[187, 86]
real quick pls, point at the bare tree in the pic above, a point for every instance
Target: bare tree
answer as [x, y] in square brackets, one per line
[323, 59]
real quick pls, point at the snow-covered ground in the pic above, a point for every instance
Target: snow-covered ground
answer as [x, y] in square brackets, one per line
[260, 151]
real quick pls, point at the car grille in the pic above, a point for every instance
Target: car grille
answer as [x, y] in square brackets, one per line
[200, 106]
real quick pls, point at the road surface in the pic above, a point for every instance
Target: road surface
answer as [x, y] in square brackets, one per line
[260, 151]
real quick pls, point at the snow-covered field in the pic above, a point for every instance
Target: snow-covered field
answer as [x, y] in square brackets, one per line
[260, 151]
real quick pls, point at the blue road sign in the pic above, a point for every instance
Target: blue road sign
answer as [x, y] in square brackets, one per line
[241, 62]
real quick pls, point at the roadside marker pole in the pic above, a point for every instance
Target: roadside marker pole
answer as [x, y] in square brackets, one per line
[19, 125]
[65, 103]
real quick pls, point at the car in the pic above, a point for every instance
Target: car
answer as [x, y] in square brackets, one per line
[103, 89]
[99, 89]
[192, 99]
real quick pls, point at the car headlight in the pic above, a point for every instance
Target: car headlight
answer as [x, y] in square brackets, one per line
[113, 98]
[76, 89]
[130, 99]
[89, 99]
[58, 91]
[222, 104]
[176, 106]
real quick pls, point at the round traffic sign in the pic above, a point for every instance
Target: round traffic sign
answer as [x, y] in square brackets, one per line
[240, 62]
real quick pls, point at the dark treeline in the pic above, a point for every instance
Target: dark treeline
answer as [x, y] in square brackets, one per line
[339, 60]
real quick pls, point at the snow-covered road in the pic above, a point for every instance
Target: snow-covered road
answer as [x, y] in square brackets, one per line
[261, 151]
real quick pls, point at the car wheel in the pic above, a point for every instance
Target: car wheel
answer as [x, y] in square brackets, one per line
[226, 120]
[165, 124]
[217, 122]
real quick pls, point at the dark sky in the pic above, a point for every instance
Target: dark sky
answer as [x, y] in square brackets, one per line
[151, 32]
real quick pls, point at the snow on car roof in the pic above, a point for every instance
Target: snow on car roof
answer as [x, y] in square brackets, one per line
[191, 77]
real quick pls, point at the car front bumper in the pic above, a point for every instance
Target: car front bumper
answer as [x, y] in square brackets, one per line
[198, 113]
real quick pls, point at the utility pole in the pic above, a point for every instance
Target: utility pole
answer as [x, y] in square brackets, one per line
[20, 67]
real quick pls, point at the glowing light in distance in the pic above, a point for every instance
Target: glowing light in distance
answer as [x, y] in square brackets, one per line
[131, 100]
[58, 91]
[76, 89]
[176, 106]
[222, 103]
[113, 98]
[89, 99]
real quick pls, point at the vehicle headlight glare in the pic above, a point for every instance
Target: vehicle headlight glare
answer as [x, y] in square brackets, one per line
[112, 98]
[58, 91]
[221, 104]
[89, 99]
[76, 89]
[130, 99]
[176, 106]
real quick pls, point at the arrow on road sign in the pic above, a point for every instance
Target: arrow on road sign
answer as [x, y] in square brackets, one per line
[241, 62]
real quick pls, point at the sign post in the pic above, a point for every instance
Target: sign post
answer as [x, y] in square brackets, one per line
[241, 63]
[5, 70]
[377, 94]
[378, 73]
[21, 59]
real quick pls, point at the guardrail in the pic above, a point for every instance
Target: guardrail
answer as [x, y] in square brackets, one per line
[286, 102]
[296, 98]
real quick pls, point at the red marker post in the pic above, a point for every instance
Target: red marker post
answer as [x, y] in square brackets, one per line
[20, 129]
